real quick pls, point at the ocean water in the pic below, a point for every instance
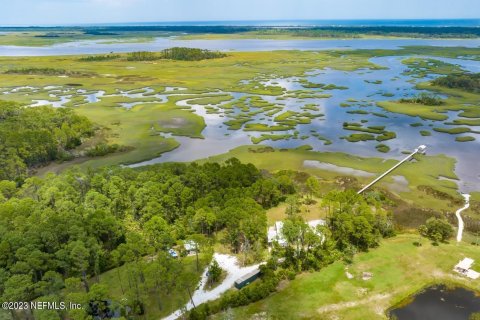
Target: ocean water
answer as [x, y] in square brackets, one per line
[313, 23]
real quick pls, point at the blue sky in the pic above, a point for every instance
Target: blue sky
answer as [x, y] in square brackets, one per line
[56, 12]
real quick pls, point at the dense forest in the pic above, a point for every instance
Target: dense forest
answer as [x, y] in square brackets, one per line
[35, 136]
[59, 233]
[64, 229]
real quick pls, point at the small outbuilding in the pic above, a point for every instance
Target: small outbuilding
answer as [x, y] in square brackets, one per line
[464, 268]
[464, 265]
[247, 279]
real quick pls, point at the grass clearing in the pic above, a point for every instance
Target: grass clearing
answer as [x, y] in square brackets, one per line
[399, 269]
[118, 281]
[308, 211]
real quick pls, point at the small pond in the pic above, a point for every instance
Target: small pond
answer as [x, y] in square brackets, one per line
[439, 303]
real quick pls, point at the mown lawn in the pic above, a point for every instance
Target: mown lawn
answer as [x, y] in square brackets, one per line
[399, 269]
[307, 211]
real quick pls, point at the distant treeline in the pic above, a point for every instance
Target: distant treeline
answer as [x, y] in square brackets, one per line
[177, 53]
[106, 57]
[468, 81]
[190, 54]
[326, 31]
[354, 32]
[47, 71]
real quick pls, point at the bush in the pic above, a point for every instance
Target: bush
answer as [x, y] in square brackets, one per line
[291, 274]
[437, 230]
[102, 149]
[214, 272]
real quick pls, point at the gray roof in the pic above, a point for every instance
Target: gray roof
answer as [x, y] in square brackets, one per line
[248, 276]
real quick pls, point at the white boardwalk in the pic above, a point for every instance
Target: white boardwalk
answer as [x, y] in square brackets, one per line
[459, 217]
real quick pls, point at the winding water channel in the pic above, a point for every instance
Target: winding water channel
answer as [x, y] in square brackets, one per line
[364, 86]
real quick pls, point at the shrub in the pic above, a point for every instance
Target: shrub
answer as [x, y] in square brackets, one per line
[437, 230]
[214, 272]
[102, 149]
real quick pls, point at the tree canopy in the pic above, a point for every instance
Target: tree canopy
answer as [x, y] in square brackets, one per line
[35, 136]
[79, 224]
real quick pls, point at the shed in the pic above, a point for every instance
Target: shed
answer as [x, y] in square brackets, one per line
[247, 279]
[464, 265]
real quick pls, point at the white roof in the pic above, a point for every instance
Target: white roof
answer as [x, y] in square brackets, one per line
[190, 245]
[473, 274]
[315, 223]
[279, 226]
[271, 234]
[465, 264]
[275, 233]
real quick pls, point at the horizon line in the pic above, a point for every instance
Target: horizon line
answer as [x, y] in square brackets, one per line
[179, 22]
